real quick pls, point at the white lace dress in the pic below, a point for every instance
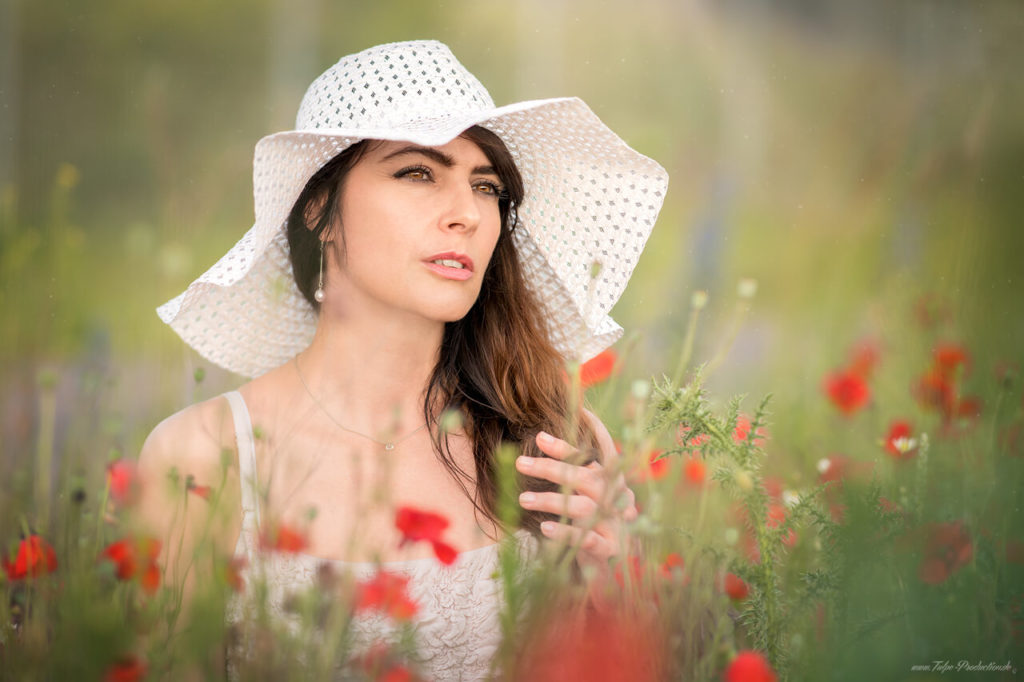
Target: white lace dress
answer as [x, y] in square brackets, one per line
[456, 625]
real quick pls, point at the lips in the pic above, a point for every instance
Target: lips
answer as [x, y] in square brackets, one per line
[450, 265]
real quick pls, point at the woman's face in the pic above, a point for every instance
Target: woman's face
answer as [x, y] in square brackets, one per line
[420, 225]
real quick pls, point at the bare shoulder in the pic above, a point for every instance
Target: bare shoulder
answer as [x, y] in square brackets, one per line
[197, 440]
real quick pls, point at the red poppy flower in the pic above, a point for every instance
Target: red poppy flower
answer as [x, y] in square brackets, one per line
[949, 357]
[684, 440]
[634, 564]
[934, 390]
[386, 592]
[34, 557]
[127, 669]
[202, 491]
[750, 666]
[135, 558]
[656, 468]
[899, 442]
[735, 587]
[598, 368]
[283, 538]
[743, 430]
[847, 391]
[694, 471]
[603, 645]
[123, 481]
[396, 673]
[948, 548]
[674, 564]
[777, 517]
[969, 408]
[233, 569]
[417, 525]
[378, 663]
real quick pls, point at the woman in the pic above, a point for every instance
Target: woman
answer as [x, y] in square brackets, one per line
[422, 266]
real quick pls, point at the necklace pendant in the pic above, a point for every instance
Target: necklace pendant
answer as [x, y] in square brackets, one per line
[389, 446]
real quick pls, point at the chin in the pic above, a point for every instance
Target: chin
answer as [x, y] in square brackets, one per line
[452, 312]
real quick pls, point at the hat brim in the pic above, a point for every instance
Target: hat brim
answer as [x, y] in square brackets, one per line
[590, 204]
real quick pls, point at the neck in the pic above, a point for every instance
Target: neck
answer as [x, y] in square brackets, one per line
[370, 373]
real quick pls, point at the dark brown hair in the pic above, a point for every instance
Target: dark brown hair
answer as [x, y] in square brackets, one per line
[497, 366]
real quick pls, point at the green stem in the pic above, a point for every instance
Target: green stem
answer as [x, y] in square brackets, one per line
[687, 352]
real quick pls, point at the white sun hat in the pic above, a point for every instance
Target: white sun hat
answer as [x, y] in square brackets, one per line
[590, 203]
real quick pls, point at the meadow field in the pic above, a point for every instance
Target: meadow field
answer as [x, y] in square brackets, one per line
[818, 396]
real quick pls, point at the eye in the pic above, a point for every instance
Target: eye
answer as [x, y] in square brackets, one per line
[420, 173]
[489, 188]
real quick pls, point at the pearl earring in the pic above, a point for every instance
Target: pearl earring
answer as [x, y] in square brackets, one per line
[319, 294]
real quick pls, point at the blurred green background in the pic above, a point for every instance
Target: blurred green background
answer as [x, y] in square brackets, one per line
[852, 157]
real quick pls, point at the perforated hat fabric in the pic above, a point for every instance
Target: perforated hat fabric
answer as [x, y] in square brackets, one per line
[590, 199]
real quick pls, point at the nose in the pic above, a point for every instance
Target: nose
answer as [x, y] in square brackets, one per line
[463, 209]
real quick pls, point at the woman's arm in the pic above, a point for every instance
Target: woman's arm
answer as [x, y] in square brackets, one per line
[192, 528]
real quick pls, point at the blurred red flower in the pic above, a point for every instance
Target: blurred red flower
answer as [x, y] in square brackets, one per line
[233, 569]
[202, 491]
[607, 645]
[694, 471]
[899, 441]
[386, 592]
[777, 517]
[126, 669]
[135, 558]
[283, 538]
[123, 481]
[598, 368]
[735, 587]
[634, 563]
[416, 525]
[380, 665]
[684, 440]
[743, 430]
[848, 391]
[949, 357]
[651, 467]
[35, 557]
[749, 666]
[948, 548]
[673, 565]
[934, 390]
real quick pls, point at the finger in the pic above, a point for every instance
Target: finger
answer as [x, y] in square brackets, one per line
[576, 507]
[589, 542]
[555, 447]
[589, 482]
[609, 455]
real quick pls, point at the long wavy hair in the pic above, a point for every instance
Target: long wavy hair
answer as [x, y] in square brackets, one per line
[496, 366]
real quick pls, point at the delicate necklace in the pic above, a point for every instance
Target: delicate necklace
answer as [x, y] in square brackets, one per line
[388, 445]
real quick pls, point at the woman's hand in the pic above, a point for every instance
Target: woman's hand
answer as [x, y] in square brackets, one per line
[597, 500]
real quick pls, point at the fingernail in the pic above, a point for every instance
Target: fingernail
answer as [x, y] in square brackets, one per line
[547, 528]
[545, 437]
[524, 462]
[527, 498]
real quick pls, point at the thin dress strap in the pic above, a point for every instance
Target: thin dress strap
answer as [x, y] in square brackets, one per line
[246, 462]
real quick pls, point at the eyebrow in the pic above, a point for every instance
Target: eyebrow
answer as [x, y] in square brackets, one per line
[438, 157]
